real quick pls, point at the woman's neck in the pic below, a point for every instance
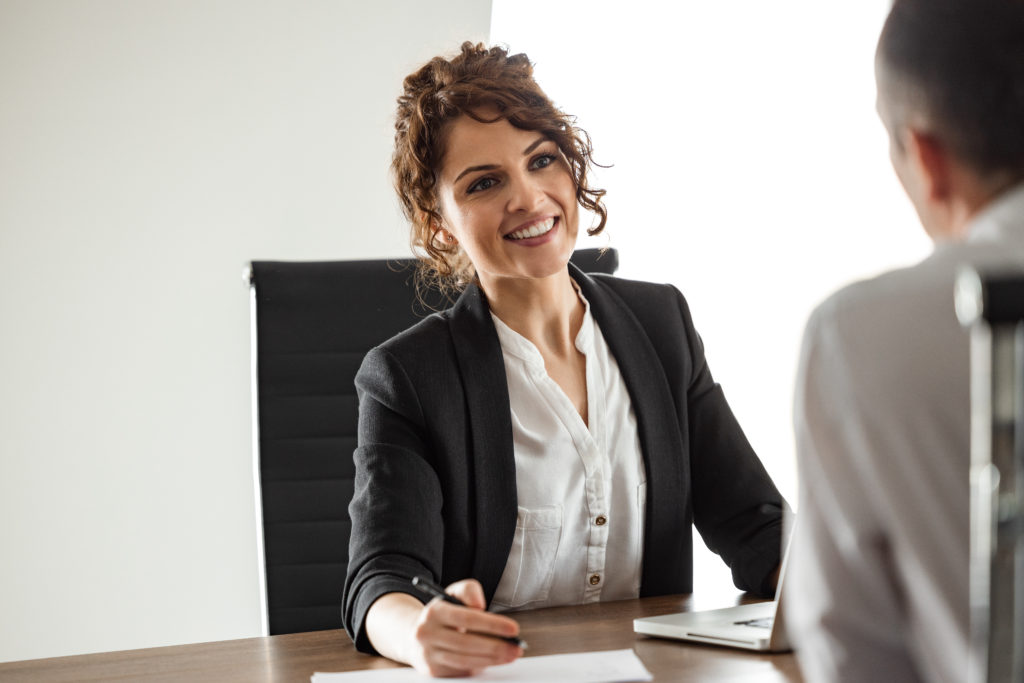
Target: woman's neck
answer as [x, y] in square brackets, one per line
[547, 311]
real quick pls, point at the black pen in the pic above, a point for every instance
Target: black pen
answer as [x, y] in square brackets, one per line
[427, 586]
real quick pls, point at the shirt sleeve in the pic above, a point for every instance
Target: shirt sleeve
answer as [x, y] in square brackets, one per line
[843, 612]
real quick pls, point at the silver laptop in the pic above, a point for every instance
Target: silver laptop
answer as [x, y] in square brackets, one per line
[751, 627]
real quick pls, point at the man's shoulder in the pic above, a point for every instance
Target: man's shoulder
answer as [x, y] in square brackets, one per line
[893, 329]
[927, 285]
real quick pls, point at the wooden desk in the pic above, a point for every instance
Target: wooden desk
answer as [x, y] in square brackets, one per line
[294, 657]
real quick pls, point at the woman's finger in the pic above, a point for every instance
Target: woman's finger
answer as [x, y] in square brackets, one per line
[445, 650]
[452, 640]
[432, 634]
[472, 620]
[470, 592]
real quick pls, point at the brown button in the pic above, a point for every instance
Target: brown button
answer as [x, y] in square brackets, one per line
[595, 579]
[601, 520]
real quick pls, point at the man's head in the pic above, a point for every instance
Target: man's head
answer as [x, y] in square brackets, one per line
[950, 77]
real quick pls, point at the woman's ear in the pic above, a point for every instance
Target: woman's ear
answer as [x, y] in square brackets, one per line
[443, 236]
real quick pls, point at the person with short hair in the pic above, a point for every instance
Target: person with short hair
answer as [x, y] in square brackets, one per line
[882, 409]
[553, 437]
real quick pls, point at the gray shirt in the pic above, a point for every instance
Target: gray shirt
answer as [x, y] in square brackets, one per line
[882, 418]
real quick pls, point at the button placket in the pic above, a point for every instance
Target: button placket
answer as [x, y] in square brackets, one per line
[601, 464]
[597, 499]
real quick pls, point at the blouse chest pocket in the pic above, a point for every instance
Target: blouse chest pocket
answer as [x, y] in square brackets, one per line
[530, 568]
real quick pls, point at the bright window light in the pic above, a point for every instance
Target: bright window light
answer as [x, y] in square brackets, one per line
[748, 168]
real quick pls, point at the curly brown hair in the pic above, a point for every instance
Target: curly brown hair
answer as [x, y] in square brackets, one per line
[444, 89]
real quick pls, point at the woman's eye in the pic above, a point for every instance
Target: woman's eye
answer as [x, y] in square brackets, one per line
[482, 184]
[544, 160]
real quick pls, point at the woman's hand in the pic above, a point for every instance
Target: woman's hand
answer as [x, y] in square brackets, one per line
[440, 638]
[451, 640]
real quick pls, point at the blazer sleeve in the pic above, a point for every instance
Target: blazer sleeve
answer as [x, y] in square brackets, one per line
[397, 529]
[737, 508]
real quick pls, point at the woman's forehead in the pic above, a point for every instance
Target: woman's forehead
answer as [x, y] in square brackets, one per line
[472, 142]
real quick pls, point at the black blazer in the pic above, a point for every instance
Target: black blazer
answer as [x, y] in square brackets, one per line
[435, 485]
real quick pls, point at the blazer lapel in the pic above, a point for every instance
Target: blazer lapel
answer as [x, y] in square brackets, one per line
[665, 453]
[490, 424]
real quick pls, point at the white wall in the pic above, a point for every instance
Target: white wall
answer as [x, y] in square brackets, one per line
[148, 150]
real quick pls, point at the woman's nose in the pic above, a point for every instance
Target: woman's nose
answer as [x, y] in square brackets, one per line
[525, 193]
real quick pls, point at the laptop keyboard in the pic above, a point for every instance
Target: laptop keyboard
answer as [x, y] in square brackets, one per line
[764, 622]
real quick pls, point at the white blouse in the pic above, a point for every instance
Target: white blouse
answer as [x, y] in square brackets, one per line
[581, 491]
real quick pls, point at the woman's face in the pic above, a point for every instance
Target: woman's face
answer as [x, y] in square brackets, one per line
[508, 198]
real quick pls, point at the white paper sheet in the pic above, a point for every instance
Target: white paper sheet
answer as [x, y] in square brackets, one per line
[610, 666]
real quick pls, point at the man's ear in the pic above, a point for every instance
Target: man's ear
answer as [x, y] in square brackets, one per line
[933, 162]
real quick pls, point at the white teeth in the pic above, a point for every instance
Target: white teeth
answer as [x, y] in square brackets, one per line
[535, 230]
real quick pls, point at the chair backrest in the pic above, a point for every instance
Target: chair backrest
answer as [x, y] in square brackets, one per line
[993, 306]
[313, 323]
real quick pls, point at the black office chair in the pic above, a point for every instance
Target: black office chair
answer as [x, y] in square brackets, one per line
[314, 322]
[992, 304]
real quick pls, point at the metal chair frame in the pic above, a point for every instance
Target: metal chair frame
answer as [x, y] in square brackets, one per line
[992, 305]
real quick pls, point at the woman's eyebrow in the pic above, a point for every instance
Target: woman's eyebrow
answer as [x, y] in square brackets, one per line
[490, 167]
[536, 143]
[471, 169]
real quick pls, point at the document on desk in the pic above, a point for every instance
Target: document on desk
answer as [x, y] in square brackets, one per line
[610, 666]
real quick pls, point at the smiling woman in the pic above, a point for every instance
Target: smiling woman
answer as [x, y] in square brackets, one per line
[515, 214]
[553, 437]
[443, 99]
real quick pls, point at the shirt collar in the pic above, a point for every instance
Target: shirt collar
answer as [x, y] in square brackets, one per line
[1002, 216]
[515, 344]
